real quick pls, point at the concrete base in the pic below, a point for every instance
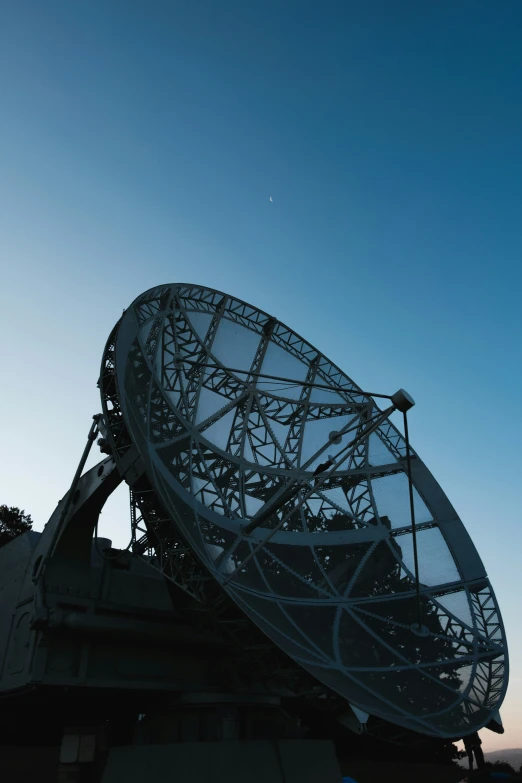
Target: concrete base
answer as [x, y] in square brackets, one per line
[263, 761]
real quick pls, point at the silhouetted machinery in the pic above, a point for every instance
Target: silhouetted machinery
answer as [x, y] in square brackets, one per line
[293, 568]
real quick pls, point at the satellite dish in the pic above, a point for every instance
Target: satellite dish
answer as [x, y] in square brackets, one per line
[292, 488]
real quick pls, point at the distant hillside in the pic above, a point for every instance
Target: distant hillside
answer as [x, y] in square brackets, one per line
[512, 755]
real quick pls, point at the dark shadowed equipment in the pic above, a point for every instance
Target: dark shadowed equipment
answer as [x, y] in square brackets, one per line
[292, 564]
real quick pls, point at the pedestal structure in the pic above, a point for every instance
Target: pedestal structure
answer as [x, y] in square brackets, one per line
[258, 761]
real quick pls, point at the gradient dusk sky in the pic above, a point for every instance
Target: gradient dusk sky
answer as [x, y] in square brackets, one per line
[141, 143]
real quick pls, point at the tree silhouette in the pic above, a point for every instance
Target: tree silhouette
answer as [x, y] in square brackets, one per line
[391, 619]
[13, 522]
[500, 766]
[364, 571]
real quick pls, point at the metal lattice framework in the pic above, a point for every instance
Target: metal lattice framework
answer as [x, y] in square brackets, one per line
[191, 378]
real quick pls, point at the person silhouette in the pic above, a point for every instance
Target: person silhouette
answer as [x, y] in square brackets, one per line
[472, 745]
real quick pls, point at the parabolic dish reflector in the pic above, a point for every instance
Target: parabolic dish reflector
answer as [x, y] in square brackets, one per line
[329, 575]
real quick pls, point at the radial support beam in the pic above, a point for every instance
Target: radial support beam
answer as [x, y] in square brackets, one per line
[293, 488]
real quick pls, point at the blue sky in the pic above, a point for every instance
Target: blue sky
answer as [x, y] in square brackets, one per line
[140, 144]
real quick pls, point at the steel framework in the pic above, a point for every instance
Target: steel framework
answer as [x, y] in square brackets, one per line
[328, 573]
